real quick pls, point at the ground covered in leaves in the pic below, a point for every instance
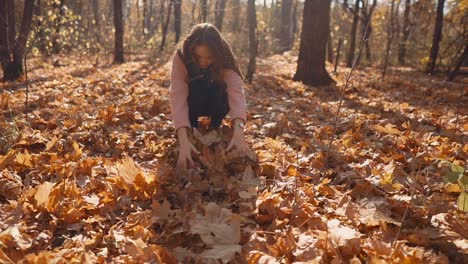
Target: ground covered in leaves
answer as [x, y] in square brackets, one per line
[89, 175]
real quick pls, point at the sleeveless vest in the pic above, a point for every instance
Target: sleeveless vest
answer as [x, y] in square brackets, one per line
[206, 96]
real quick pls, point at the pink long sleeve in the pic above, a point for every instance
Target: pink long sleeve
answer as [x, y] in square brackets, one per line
[179, 94]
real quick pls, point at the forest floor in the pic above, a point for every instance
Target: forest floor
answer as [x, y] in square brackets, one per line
[89, 176]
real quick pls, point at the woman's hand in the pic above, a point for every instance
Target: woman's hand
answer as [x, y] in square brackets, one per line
[185, 149]
[238, 138]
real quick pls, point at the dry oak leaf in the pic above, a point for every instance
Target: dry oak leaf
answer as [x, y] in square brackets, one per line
[219, 228]
[10, 184]
[346, 238]
[13, 238]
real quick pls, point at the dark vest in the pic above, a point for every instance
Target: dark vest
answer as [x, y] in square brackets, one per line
[206, 96]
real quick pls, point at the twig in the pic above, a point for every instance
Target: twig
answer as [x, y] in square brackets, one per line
[405, 213]
[343, 92]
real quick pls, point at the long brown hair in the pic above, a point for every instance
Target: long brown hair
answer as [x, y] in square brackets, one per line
[208, 35]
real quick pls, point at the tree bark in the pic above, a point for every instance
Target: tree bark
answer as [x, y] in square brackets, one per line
[12, 64]
[11, 20]
[119, 31]
[252, 20]
[295, 19]
[194, 6]
[177, 19]
[312, 51]
[352, 42]
[145, 24]
[406, 31]
[366, 27]
[437, 37]
[59, 8]
[97, 26]
[461, 60]
[236, 25]
[390, 34]
[329, 49]
[166, 25]
[286, 25]
[204, 10]
[219, 13]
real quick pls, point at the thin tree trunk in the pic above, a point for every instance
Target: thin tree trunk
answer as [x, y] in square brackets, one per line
[11, 20]
[236, 25]
[4, 45]
[144, 21]
[352, 43]
[194, 7]
[162, 12]
[118, 24]
[406, 31]
[177, 19]
[312, 51]
[295, 19]
[461, 60]
[391, 32]
[329, 49]
[338, 50]
[59, 8]
[97, 26]
[286, 25]
[166, 25]
[437, 37]
[13, 65]
[366, 27]
[40, 29]
[219, 13]
[252, 20]
[204, 10]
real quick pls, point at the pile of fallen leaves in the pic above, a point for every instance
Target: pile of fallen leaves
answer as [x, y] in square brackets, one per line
[89, 175]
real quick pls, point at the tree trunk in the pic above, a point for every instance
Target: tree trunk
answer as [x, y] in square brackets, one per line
[4, 45]
[59, 8]
[97, 29]
[41, 43]
[13, 65]
[436, 37]
[312, 51]
[11, 20]
[219, 13]
[286, 25]
[406, 32]
[390, 35]
[352, 43]
[145, 18]
[194, 6]
[204, 10]
[236, 25]
[329, 49]
[252, 20]
[177, 19]
[166, 25]
[118, 24]
[461, 60]
[366, 27]
[295, 19]
[338, 51]
[162, 12]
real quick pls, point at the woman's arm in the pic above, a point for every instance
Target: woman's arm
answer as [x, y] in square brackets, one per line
[236, 97]
[179, 93]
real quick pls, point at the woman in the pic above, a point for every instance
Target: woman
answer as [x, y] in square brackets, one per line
[206, 81]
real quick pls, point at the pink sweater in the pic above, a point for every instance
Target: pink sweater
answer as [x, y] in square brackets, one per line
[179, 94]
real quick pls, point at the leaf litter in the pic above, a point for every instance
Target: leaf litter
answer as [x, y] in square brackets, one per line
[90, 175]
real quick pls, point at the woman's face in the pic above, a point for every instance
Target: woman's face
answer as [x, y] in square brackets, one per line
[203, 56]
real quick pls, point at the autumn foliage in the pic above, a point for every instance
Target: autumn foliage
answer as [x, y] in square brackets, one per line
[89, 175]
